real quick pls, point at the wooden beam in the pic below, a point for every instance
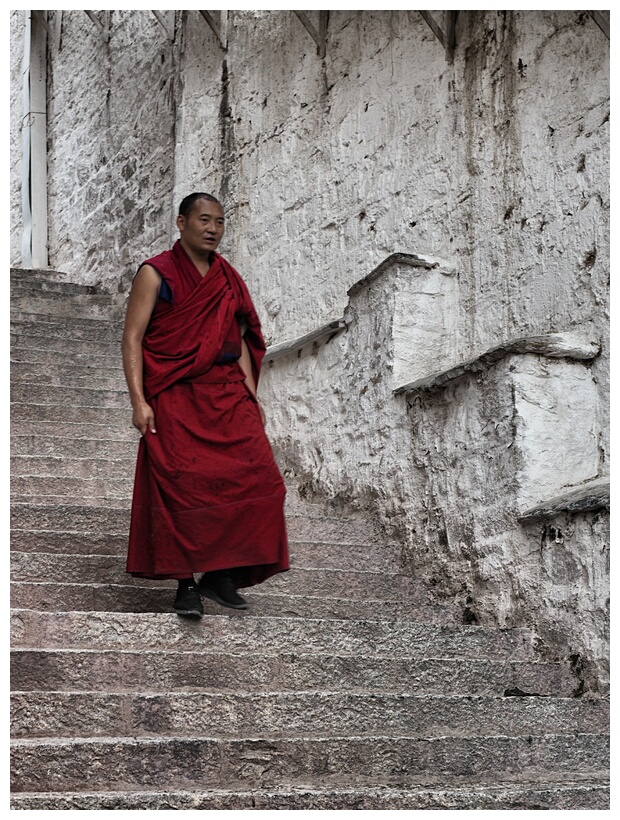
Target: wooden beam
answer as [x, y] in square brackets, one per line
[219, 29]
[104, 27]
[166, 21]
[319, 36]
[434, 27]
[450, 34]
[447, 38]
[601, 21]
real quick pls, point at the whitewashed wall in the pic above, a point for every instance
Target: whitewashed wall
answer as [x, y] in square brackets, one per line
[497, 164]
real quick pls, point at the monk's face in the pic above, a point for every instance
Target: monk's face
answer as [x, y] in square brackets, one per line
[203, 229]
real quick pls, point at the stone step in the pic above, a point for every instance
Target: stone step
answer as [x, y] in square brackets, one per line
[302, 553]
[28, 435]
[110, 569]
[207, 762]
[76, 397]
[48, 597]
[59, 352]
[206, 670]
[94, 490]
[115, 520]
[183, 714]
[37, 275]
[60, 287]
[102, 340]
[68, 451]
[82, 306]
[24, 284]
[96, 325]
[271, 635]
[535, 795]
[115, 418]
[58, 469]
[102, 378]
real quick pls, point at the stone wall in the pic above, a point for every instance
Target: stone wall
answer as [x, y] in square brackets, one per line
[495, 167]
[16, 94]
[488, 474]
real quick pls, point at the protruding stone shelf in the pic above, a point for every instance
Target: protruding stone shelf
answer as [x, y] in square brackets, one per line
[413, 260]
[290, 346]
[592, 495]
[552, 345]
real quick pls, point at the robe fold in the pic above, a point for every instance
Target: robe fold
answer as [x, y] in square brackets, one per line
[208, 494]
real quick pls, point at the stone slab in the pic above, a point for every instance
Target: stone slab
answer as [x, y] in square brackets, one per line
[272, 635]
[125, 670]
[115, 598]
[147, 714]
[530, 797]
[205, 761]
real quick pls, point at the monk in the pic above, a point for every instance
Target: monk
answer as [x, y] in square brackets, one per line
[208, 497]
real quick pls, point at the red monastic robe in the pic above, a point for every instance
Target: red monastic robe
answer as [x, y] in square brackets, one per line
[208, 494]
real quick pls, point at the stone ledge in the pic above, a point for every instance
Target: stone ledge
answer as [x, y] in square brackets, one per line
[593, 495]
[551, 345]
[414, 260]
[291, 345]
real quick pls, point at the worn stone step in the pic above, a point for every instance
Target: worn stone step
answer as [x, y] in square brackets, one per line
[183, 714]
[40, 432]
[308, 554]
[60, 468]
[95, 490]
[535, 795]
[67, 452]
[95, 518]
[103, 378]
[30, 352]
[74, 396]
[58, 351]
[82, 306]
[110, 569]
[71, 328]
[74, 630]
[26, 282]
[205, 670]
[266, 762]
[115, 417]
[48, 597]
[37, 275]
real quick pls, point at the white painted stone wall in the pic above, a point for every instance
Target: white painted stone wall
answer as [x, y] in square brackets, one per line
[449, 467]
[497, 164]
[16, 109]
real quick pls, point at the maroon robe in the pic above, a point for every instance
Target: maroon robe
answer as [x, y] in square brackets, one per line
[208, 494]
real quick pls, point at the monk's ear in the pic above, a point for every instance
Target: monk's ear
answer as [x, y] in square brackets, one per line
[180, 222]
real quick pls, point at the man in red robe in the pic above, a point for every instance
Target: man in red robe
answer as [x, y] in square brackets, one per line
[208, 496]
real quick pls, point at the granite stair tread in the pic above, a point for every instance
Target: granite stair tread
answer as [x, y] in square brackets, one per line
[535, 795]
[347, 684]
[48, 597]
[275, 713]
[270, 634]
[325, 759]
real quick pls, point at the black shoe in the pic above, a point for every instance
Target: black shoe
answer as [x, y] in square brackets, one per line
[187, 601]
[220, 587]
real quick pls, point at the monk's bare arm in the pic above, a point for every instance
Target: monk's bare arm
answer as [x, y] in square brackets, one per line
[142, 299]
[246, 365]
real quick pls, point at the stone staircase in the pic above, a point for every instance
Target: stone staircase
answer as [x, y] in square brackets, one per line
[344, 686]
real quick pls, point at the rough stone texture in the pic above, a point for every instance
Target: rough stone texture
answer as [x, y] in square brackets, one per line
[451, 462]
[496, 163]
[17, 54]
[306, 700]
[497, 797]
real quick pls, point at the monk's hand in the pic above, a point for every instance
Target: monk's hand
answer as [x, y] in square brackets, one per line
[143, 418]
